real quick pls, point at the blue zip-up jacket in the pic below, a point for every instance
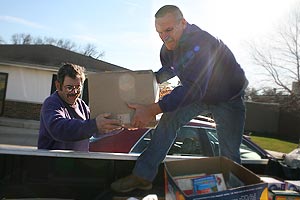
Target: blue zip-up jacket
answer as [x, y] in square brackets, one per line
[64, 127]
[206, 67]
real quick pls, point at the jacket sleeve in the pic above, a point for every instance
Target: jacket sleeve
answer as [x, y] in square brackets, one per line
[62, 127]
[164, 74]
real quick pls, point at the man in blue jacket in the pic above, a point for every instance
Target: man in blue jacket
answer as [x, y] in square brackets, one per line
[211, 81]
[65, 122]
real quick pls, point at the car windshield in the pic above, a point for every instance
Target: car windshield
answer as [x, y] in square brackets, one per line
[196, 141]
[247, 151]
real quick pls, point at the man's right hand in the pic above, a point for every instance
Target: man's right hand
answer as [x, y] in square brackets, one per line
[106, 124]
[144, 114]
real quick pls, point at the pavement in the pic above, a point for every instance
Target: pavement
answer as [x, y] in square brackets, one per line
[19, 123]
[19, 131]
[25, 133]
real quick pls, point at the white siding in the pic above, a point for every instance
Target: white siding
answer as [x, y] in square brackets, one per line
[27, 84]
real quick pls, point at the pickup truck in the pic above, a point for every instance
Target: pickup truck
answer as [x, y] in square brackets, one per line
[26, 172]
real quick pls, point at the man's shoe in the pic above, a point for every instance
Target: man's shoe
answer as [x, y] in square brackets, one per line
[130, 183]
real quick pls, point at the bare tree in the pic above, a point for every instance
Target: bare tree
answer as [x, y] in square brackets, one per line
[21, 38]
[91, 50]
[16, 39]
[250, 92]
[27, 39]
[66, 44]
[279, 55]
[49, 40]
[37, 40]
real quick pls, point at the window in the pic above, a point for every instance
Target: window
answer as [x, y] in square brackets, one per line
[188, 142]
[246, 150]
[197, 141]
[53, 88]
[3, 85]
[85, 91]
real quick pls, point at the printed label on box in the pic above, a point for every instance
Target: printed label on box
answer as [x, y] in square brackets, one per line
[205, 185]
[273, 183]
[185, 183]
[292, 185]
[211, 183]
[220, 182]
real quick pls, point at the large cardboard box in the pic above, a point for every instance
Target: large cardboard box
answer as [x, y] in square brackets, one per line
[109, 92]
[241, 183]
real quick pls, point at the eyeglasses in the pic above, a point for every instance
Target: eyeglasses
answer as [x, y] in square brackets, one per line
[70, 88]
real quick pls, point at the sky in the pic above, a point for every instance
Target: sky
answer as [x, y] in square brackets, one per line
[124, 29]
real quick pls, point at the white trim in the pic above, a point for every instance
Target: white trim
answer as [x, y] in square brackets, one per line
[30, 66]
[33, 151]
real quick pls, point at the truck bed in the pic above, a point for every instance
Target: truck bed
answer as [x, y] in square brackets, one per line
[31, 173]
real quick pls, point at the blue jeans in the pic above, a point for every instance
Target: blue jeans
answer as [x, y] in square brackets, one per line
[229, 117]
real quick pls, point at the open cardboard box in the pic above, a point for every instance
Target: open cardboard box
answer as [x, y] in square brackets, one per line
[252, 187]
[109, 92]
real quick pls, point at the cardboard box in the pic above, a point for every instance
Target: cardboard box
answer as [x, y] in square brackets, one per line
[284, 195]
[273, 183]
[109, 92]
[241, 183]
[292, 185]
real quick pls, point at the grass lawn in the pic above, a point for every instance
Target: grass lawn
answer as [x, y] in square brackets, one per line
[274, 144]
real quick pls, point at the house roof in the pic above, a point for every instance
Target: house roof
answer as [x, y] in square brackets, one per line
[49, 56]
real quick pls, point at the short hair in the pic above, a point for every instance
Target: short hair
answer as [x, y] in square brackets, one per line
[169, 9]
[71, 70]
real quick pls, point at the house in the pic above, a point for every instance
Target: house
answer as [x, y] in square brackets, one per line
[28, 72]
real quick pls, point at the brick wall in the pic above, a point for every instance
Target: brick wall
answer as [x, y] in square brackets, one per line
[22, 110]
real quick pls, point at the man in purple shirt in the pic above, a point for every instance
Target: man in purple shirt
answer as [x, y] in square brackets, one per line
[65, 122]
[211, 82]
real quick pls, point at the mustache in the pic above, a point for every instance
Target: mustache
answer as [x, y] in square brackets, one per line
[72, 95]
[167, 39]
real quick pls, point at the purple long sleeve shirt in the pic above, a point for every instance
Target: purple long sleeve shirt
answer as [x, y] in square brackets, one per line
[206, 67]
[64, 127]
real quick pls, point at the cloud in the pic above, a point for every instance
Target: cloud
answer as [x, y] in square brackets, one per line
[12, 19]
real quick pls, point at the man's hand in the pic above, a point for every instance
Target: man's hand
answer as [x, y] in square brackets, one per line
[144, 114]
[105, 124]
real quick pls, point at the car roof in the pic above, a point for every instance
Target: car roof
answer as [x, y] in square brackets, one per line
[119, 143]
[126, 139]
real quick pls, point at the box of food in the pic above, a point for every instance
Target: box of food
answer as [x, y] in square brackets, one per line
[110, 92]
[239, 182]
